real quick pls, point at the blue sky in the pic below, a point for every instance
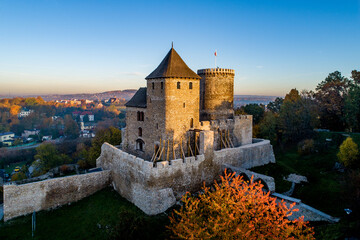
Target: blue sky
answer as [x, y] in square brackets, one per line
[61, 46]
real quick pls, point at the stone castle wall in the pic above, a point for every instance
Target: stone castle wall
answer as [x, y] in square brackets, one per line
[27, 198]
[155, 188]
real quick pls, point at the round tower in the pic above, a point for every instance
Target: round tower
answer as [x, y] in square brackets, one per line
[216, 93]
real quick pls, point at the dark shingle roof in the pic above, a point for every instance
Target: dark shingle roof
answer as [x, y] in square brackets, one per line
[172, 66]
[138, 100]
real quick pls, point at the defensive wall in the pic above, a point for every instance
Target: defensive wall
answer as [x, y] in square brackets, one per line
[154, 187]
[27, 198]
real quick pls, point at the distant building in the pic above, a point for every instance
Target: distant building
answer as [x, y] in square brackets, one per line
[25, 113]
[7, 136]
[83, 114]
[30, 132]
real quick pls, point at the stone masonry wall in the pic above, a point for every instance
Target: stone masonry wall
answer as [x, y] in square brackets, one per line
[26, 198]
[156, 188]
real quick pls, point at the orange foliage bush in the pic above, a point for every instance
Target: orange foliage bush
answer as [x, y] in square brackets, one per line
[235, 209]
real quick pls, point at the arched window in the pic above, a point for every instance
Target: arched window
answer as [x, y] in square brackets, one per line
[138, 116]
[140, 145]
[142, 116]
[140, 132]
[178, 85]
[190, 85]
[153, 85]
[162, 85]
[191, 123]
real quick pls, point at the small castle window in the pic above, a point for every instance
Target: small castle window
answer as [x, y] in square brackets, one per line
[191, 123]
[157, 126]
[141, 116]
[190, 85]
[183, 105]
[138, 116]
[140, 144]
[140, 132]
[153, 85]
[178, 85]
[162, 85]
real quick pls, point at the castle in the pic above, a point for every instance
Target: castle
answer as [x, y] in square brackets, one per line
[163, 120]
[180, 132]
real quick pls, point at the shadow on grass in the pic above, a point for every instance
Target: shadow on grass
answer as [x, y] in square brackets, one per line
[104, 215]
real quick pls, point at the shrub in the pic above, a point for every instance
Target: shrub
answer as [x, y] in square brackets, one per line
[18, 176]
[306, 147]
[348, 153]
[235, 209]
[64, 169]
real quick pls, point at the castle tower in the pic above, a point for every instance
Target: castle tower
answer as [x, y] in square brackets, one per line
[216, 93]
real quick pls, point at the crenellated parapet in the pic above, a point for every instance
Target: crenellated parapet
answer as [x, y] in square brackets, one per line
[214, 71]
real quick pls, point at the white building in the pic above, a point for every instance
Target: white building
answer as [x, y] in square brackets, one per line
[28, 133]
[6, 136]
[25, 113]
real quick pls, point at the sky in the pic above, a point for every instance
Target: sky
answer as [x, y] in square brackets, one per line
[69, 46]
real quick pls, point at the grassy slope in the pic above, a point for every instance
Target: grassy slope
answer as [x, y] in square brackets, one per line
[325, 190]
[96, 217]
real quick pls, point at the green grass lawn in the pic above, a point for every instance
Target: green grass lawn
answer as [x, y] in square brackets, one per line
[104, 215]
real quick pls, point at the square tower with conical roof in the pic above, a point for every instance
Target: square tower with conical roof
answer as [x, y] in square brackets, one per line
[163, 113]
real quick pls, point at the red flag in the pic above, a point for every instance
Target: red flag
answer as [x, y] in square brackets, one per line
[215, 54]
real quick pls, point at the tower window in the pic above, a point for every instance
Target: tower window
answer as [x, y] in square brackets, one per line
[157, 126]
[140, 144]
[190, 85]
[178, 85]
[183, 105]
[140, 132]
[140, 116]
[191, 123]
[162, 85]
[153, 85]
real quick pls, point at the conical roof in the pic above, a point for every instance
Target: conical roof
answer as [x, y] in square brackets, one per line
[172, 66]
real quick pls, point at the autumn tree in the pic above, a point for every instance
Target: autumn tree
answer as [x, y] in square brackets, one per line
[235, 209]
[349, 153]
[331, 94]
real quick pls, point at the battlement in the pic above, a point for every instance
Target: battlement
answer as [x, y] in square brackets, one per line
[209, 71]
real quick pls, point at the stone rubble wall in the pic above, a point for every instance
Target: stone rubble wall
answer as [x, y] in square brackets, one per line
[155, 188]
[27, 198]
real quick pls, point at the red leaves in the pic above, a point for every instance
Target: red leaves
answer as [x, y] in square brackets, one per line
[236, 210]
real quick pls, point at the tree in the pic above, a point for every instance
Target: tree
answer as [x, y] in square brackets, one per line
[50, 157]
[110, 135]
[352, 103]
[348, 153]
[236, 209]
[298, 116]
[256, 110]
[268, 127]
[275, 105]
[71, 128]
[14, 110]
[18, 176]
[331, 94]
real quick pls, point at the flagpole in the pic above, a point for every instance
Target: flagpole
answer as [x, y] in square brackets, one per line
[215, 57]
